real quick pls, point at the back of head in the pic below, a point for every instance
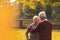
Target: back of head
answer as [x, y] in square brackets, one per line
[42, 15]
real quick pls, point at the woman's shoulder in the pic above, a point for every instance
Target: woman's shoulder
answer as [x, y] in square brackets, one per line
[31, 24]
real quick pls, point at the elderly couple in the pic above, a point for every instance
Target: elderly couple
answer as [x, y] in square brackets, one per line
[40, 29]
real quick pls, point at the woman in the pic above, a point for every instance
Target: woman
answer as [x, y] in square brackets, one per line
[33, 35]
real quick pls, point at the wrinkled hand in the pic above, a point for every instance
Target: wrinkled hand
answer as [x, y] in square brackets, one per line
[28, 39]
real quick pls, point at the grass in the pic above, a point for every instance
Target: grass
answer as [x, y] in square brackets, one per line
[19, 34]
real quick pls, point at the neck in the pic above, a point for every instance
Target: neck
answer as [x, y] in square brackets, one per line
[45, 20]
[35, 23]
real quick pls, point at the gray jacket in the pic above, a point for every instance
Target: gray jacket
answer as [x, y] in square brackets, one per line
[33, 36]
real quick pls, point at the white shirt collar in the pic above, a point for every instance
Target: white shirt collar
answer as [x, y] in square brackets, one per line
[45, 20]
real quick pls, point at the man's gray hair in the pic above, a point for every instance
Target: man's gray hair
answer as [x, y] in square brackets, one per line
[42, 15]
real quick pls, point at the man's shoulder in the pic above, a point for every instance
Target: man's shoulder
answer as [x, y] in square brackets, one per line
[45, 22]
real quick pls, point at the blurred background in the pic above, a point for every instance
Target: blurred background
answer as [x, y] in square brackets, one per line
[16, 15]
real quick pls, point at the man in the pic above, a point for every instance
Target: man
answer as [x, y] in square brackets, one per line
[33, 36]
[44, 28]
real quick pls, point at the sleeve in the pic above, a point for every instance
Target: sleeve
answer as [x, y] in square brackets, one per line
[27, 31]
[38, 28]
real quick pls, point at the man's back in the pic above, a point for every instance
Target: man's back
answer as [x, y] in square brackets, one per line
[45, 30]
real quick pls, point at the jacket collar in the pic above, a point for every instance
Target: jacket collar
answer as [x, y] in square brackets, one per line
[44, 20]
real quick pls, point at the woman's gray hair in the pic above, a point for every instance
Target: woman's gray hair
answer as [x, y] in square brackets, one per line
[42, 15]
[35, 17]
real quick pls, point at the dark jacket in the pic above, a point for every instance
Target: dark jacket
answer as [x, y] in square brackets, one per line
[45, 30]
